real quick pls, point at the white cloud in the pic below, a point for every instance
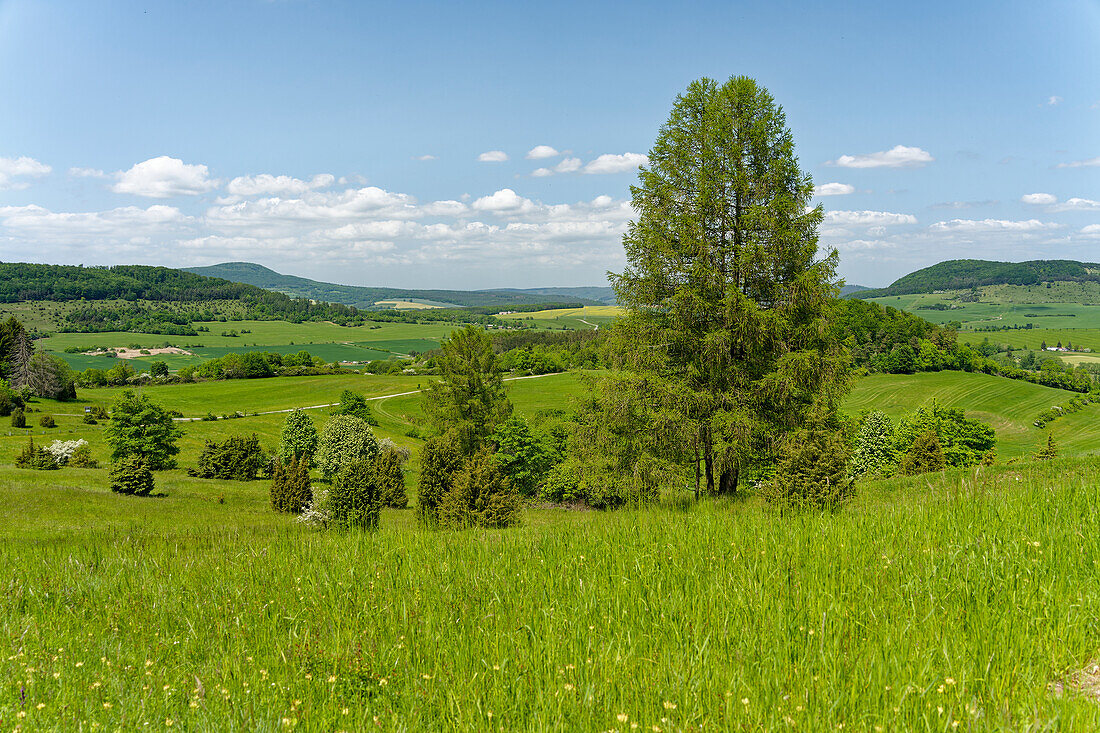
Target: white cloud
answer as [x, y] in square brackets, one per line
[868, 218]
[163, 177]
[493, 156]
[449, 207]
[120, 224]
[569, 165]
[1092, 230]
[898, 156]
[612, 163]
[265, 183]
[542, 151]
[1053, 100]
[21, 167]
[991, 225]
[503, 201]
[1077, 204]
[86, 173]
[425, 157]
[861, 245]
[834, 189]
[541, 173]
[1090, 163]
[1038, 198]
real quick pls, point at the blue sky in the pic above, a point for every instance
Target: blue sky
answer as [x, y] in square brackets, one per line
[469, 145]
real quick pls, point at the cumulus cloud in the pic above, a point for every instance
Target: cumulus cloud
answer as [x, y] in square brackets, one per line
[1089, 163]
[899, 156]
[265, 183]
[542, 172]
[991, 225]
[493, 156]
[119, 224]
[834, 189]
[1038, 198]
[21, 167]
[566, 165]
[503, 201]
[1077, 204]
[86, 173]
[164, 177]
[425, 157]
[613, 163]
[542, 151]
[868, 218]
[1092, 230]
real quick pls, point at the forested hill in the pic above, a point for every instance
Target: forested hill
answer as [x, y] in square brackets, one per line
[26, 281]
[366, 297]
[961, 274]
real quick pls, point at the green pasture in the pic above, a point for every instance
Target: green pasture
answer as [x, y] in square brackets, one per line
[585, 318]
[946, 602]
[1079, 337]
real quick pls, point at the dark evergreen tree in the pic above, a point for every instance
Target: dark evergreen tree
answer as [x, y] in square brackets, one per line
[131, 475]
[481, 496]
[924, 456]
[440, 460]
[355, 499]
[812, 472]
[1048, 450]
[389, 465]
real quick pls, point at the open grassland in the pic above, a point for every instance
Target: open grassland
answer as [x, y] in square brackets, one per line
[578, 319]
[957, 598]
[1010, 406]
[1079, 337]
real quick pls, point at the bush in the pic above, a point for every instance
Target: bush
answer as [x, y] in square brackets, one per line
[440, 460]
[131, 475]
[82, 458]
[812, 472]
[142, 428]
[1048, 451]
[481, 496]
[63, 450]
[523, 457]
[354, 404]
[346, 440]
[355, 500]
[962, 441]
[35, 457]
[290, 486]
[561, 486]
[98, 412]
[18, 419]
[235, 459]
[391, 474]
[89, 420]
[924, 456]
[47, 421]
[874, 453]
[299, 438]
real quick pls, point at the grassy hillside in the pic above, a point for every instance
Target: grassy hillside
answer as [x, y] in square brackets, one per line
[366, 297]
[959, 274]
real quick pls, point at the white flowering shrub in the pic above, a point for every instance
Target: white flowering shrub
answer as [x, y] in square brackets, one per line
[62, 450]
[317, 513]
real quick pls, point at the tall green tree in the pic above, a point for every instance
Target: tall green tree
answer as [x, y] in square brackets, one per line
[142, 428]
[725, 293]
[469, 400]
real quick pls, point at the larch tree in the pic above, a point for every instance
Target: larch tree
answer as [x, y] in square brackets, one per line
[725, 293]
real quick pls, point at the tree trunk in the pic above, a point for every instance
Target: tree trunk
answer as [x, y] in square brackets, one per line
[708, 466]
[727, 483]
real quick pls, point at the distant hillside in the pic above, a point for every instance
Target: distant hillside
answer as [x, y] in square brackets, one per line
[21, 281]
[603, 295]
[852, 289]
[962, 274]
[366, 297]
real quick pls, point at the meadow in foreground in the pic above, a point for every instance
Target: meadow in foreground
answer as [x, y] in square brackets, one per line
[935, 603]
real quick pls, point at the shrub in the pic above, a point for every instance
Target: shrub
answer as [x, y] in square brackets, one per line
[1048, 451]
[962, 441]
[35, 457]
[440, 460]
[290, 486]
[346, 440]
[389, 465]
[82, 458]
[142, 428]
[131, 475]
[924, 456]
[299, 438]
[481, 496]
[63, 450]
[355, 499]
[47, 421]
[354, 404]
[561, 486]
[812, 472]
[523, 457]
[18, 419]
[874, 446]
[89, 420]
[236, 458]
[98, 412]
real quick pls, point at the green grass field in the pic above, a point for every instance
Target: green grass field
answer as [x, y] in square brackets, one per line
[587, 318]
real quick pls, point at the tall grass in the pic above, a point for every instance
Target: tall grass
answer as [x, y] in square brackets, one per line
[927, 603]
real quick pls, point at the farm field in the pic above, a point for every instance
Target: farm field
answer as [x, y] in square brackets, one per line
[897, 611]
[1079, 337]
[580, 319]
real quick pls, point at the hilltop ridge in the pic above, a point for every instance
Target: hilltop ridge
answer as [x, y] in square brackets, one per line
[963, 274]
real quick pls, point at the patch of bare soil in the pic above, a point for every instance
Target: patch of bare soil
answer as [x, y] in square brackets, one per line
[1083, 682]
[122, 353]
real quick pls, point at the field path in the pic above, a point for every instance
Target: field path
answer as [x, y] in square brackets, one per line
[368, 399]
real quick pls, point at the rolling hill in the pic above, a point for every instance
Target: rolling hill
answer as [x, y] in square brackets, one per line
[962, 274]
[366, 297]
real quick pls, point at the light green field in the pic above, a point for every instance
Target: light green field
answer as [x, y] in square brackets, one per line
[578, 319]
[1079, 337]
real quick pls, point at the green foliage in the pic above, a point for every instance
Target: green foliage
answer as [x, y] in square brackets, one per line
[962, 274]
[47, 421]
[18, 419]
[874, 453]
[390, 470]
[132, 475]
[345, 440]
[291, 490]
[158, 369]
[812, 472]
[963, 441]
[440, 460]
[139, 427]
[355, 499]
[727, 301]
[35, 457]
[1049, 450]
[51, 377]
[469, 400]
[9, 398]
[82, 458]
[354, 404]
[524, 457]
[298, 439]
[561, 486]
[237, 458]
[481, 496]
[924, 455]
